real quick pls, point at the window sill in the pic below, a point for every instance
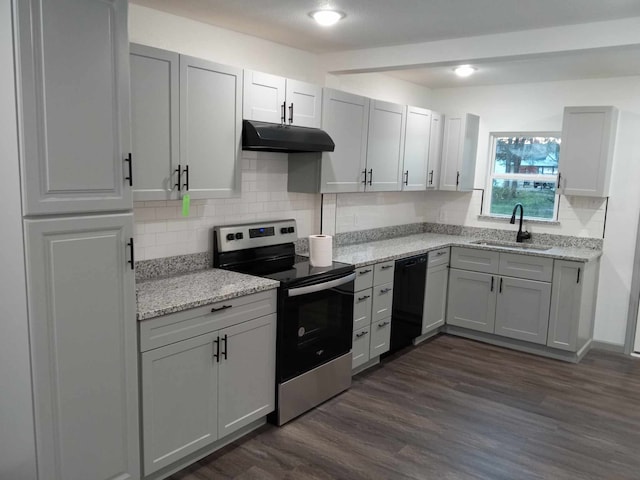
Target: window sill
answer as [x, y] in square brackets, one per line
[491, 218]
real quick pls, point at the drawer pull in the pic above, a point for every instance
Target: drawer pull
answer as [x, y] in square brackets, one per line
[384, 267]
[441, 253]
[364, 297]
[361, 334]
[362, 272]
[385, 290]
[224, 307]
[383, 324]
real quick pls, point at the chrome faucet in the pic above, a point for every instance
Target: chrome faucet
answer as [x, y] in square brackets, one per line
[521, 235]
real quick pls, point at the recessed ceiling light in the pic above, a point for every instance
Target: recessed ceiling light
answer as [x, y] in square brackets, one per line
[464, 70]
[326, 18]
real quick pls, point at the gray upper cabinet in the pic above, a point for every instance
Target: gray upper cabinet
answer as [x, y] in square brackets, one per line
[155, 120]
[346, 119]
[586, 158]
[416, 149]
[435, 151]
[83, 346]
[269, 98]
[472, 300]
[459, 148]
[74, 103]
[210, 128]
[385, 147]
[523, 309]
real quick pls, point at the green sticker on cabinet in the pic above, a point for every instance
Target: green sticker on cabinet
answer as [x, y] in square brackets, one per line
[186, 203]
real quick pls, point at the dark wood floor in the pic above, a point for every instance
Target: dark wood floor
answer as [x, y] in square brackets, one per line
[456, 409]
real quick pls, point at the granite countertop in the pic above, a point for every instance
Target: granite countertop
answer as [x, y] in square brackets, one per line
[173, 294]
[361, 254]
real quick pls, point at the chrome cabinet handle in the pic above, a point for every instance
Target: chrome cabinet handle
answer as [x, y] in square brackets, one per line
[361, 334]
[383, 324]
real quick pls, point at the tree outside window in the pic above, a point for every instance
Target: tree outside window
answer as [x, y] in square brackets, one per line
[524, 169]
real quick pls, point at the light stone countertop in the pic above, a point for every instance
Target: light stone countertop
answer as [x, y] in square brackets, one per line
[173, 294]
[362, 254]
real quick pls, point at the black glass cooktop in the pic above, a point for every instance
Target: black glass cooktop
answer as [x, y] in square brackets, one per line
[302, 270]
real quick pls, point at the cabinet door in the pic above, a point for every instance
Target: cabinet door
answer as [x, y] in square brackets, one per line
[435, 298]
[74, 79]
[566, 300]
[345, 117]
[385, 147]
[523, 309]
[264, 97]
[472, 300]
[459, 149]
[382, 302]
[360, 347]
[588, 137]
[304, 104]
[247, 373]
[82, 323]
[179, 400]
[380, 337]
[416, 149]
[210, 127]
[362, 309]
[155, 118]
[435, 151]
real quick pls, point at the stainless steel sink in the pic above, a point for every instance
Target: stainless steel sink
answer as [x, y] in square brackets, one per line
[514, 245]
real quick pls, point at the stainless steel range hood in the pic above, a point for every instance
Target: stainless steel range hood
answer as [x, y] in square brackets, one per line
[275, 137]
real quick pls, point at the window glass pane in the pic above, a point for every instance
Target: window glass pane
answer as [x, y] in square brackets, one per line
[527, 155]
[537, 198]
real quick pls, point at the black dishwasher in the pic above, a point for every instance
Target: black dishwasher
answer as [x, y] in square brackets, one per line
[408, 300]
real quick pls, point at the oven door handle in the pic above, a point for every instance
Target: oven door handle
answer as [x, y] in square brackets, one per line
[294, 292]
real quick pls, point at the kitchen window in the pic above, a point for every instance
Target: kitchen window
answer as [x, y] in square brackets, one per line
[524, 169]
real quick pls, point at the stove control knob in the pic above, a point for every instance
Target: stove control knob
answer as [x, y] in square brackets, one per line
[239, 236]
[291, 230]
[284, 230]
[230, 236]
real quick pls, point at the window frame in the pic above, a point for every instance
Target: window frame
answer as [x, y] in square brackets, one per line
[491, 175]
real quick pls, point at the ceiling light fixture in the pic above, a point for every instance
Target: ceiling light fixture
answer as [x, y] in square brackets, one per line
[326, 18]
[464, 70]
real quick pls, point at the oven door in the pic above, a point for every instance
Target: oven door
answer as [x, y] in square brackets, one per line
[314, 324]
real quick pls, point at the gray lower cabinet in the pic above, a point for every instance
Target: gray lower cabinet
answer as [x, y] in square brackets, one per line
[435, 297]
[472, 300]
[572, 304]
[201, 389]
[522, 310]
[380, 337]
[72, 59]
[360, 347]
[83, 347]
[382, 301]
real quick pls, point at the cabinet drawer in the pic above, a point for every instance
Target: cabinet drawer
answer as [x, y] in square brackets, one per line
[526, 266]
[382, 302]
[384, 272]
[438, 257]
[364, 278]
[380, 337]
[160, 331]
[362, 309]
[360, 347]
[485, 261]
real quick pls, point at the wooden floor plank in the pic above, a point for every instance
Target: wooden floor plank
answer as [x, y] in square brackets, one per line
[456, 409]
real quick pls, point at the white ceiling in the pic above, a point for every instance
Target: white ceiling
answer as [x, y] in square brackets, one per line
[377, 23]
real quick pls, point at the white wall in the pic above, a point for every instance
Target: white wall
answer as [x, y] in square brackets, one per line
[381, 87]
[539, 107]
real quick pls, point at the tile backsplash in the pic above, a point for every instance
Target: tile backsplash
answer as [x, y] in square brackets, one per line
[162, 231]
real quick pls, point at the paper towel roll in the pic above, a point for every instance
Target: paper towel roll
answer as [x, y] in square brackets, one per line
[321, 250]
